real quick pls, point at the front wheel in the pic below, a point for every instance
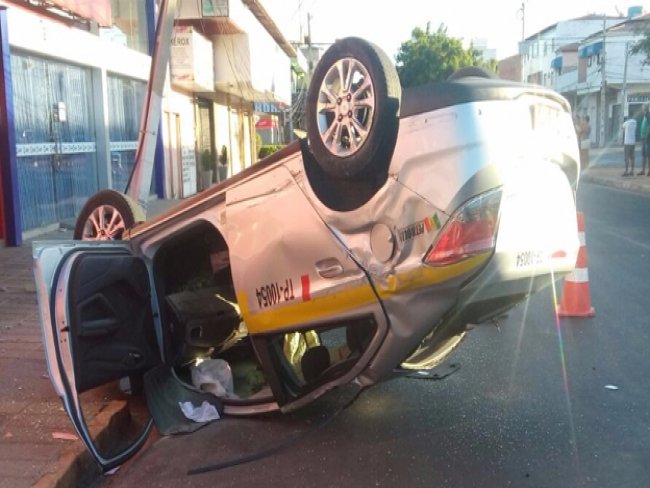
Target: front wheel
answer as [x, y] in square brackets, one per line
[106, 216]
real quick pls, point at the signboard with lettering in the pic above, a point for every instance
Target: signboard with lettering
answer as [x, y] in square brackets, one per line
[638, 98]
[188, 169]
[214, 8]
[192, 60]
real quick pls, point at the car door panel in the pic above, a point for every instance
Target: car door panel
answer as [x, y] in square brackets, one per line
[299, 289]
[111, 318]
[97, 319]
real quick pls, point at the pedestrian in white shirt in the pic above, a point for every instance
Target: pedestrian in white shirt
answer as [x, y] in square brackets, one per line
[629, 140]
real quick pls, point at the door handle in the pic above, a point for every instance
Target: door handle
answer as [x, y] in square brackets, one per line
[329, 268]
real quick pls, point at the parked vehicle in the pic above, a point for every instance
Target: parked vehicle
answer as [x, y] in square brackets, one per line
[362, 252]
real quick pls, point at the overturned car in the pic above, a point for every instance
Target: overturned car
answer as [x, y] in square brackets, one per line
[361, 252]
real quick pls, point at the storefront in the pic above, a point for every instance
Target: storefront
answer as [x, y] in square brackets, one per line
[75, 113]
[55, 139]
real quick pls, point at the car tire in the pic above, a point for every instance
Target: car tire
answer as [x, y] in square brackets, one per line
[470, 71]
[353, 109]
[107, 215]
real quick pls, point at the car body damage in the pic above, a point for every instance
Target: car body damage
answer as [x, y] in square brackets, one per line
[342, 258]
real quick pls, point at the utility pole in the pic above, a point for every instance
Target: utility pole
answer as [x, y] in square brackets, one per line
[310, 61]
[603, 86]
[300, 21]
[522, 11]
[626, 111]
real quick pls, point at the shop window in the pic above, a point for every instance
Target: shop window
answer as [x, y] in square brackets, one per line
[130, 24]
[55, 138]
[125, 101]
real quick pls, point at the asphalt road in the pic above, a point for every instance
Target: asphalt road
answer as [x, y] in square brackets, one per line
[528, 407]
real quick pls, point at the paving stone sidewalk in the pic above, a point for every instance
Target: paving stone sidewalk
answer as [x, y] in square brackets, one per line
[38, 445]
[34, 429]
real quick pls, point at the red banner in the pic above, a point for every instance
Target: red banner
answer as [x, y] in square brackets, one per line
[266, 123]
[97, 10]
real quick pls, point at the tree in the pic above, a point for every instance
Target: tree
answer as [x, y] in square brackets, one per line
[433, 56]
[642, 47]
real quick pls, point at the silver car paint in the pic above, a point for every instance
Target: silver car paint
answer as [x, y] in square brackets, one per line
[434, 160]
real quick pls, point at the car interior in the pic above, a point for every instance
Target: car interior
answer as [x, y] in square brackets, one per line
[202, 321]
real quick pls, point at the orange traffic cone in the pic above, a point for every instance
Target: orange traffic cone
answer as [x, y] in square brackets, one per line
[576, 301]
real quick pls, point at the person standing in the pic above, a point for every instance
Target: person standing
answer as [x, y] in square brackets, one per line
[645, 142]
[629, 140]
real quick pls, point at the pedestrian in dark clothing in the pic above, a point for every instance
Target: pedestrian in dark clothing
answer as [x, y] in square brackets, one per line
[645, 141]
[629, 140]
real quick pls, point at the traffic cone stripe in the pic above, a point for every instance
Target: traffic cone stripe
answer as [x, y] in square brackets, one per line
[578, 275]
[581, 238]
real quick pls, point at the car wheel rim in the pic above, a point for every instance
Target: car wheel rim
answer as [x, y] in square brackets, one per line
[346, 104]
[105, 223]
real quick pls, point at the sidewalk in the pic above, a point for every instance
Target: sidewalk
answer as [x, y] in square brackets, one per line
[37, 441]
[606, 166]
[612, 177]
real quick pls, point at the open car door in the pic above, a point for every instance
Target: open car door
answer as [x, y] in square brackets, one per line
[96, 310]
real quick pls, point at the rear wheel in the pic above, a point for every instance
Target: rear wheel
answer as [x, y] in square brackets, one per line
[353, 109]
[106, 216]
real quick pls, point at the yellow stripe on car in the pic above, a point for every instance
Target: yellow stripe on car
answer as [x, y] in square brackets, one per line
[321, 307]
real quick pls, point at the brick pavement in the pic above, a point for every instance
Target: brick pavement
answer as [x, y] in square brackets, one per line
[30, 412]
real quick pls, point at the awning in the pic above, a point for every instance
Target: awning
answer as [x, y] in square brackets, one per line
[557, 63]
[590, 50]
[267, 123]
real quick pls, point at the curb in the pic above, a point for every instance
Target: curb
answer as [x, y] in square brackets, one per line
[621, 184]
[75, 467]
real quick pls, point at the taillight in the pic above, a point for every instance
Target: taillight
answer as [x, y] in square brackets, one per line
[470, 231]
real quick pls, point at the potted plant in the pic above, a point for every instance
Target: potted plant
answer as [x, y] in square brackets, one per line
[207, 168]
[222, 170]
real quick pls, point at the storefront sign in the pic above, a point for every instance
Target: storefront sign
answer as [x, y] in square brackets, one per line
[188, 168]
[214, 8]
[192, 60]
[97, 10]
[638, 98]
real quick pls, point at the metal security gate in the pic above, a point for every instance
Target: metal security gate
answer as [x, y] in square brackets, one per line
[125, 102]
[55, 139]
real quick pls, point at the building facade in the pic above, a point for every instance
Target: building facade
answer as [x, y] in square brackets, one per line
[540, 49]
[612, 82]
[76, 84]
[588, 60]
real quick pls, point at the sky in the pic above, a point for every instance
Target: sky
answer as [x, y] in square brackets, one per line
[389, 23]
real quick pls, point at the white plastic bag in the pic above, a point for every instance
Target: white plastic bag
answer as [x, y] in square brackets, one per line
[203, 413]
[214, 376]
